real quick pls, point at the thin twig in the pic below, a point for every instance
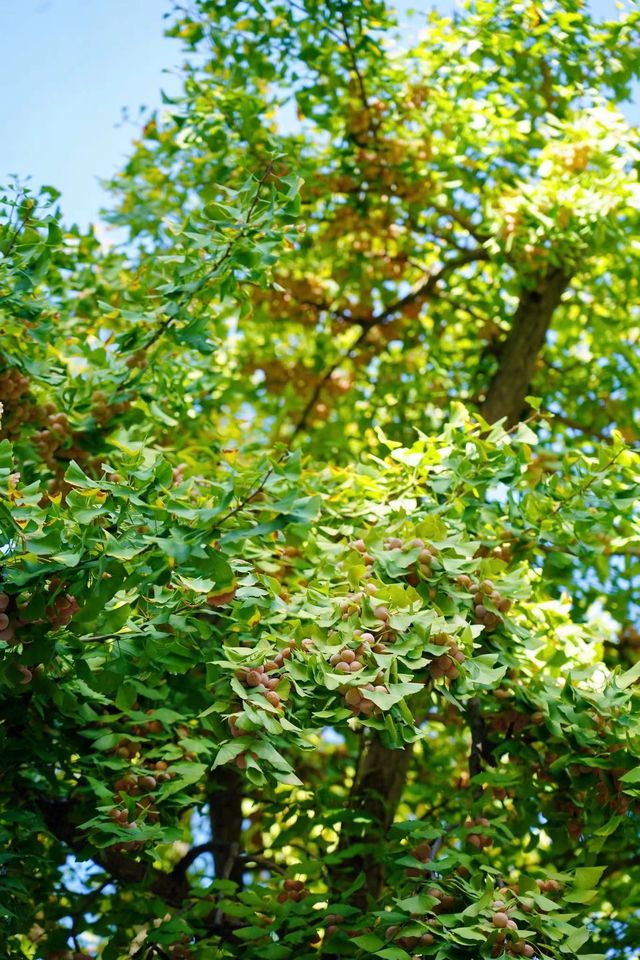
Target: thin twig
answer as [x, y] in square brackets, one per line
[20, 227]
[423, 290]
[355, 67]
[249, 497]
[462, 220]
[586, 485]
[191, 291]
[212, 845]
[427, 287]
[263, 862]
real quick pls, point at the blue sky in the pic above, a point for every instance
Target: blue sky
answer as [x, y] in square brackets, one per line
[68, 68]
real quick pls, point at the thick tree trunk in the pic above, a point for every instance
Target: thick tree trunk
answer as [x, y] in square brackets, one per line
[225, 817]
[381, 771]
[519, 352]
[372, 806]
[506, 398]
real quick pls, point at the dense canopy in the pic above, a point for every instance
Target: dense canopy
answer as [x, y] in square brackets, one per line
[320, 556]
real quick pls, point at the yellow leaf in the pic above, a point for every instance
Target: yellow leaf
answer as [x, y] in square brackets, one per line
[254, 618]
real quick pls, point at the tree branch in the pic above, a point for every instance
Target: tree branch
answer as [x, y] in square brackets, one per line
[190, 290]
[462, 221]
[480, 752]
[61, 819]
[373, 803]
[225, 817]
[505, 399]
[213, 846]
[427, 288]
[519, 352]
[22, 225]
[355, 67]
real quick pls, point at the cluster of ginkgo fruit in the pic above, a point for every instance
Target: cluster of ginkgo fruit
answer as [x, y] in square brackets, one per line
[424, 563]
[508, 940]
[54, 434]
[488, 602]
[444, 903]
[141, 784]
[14, 619]
[13, 385]
[423, 567]
[142, 780]
[500, 925]
[264, 678]
[14, 408]
[350, 661]
[62, 609]
[6, 626]
[501, 928]
[484, 592]
[52, 426]
[447, 664]
[478, 838]
[295, 890]
[103, 410]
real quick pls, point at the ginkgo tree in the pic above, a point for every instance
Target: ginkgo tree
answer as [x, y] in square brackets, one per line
[319, 623]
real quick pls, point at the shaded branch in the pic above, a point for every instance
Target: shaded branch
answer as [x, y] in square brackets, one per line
[462, 221]
[355, 67]
[427, 288]
[373, 802]
[62, 818]
[247, 499]
[505, 397]
[480, 752]
[225, 816]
